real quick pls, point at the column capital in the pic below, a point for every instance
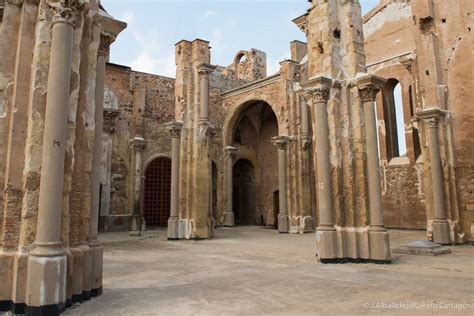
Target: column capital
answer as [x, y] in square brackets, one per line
[305, 142]
[431, 116]
[205, 70]
[281, 142]
[317, 89]
[369, 85]
[174, 128]
[231, 152]
[106, 39]
[408, 62]
[139, 144]
[15, 2]
[65, 11]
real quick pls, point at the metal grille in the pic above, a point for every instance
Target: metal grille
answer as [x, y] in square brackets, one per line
[156, 209]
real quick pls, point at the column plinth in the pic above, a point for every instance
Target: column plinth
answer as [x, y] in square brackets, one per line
[379, 241]
[174, 128]
[230, 154]
[47, 263]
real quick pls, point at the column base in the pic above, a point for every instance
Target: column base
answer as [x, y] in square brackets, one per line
[97, 264]
[441, 232]
[326, 242]
[173, 229]
[46, 285]
[228, 219]
[77, 269]
[135, 229]
[283, 224]
[379, 245]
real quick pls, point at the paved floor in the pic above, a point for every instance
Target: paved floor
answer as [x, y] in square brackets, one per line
[256, 271]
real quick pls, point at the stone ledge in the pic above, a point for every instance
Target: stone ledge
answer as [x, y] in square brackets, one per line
[422, 248]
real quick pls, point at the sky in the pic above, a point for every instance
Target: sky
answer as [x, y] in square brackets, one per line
[155, 26]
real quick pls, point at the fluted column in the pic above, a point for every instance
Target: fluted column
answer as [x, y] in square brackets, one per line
[283, 220]
[379, 242]
[441, 229]
[46, 273]
[230, 154]
[174, 128]
[138, 145]
[317, 94]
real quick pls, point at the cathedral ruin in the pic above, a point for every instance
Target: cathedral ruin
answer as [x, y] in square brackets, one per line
[88, 146]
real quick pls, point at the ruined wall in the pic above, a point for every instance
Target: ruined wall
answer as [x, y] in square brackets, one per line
[122, 83]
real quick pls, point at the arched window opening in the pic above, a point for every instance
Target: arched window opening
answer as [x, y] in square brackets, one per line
[394, 120]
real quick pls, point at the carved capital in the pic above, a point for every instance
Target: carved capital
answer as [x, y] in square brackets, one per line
[205, 70]
[281, 142]
[230, 152]
[18, 3]
[318, 95]
[432, 122]
[305, 142]
[65, 11]
[106, 39]
[431, 116]
[174, 128]
[110, 116]
[139, 144]
[368, 93]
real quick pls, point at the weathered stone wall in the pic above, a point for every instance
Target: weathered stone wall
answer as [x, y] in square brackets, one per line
[122, 83]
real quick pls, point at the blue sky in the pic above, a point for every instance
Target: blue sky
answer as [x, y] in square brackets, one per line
[154, 26]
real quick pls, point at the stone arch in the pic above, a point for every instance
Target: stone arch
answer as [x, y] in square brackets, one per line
[238, 59]
[234, 116]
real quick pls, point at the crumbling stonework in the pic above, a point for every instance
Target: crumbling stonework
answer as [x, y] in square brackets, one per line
[391, 48]
[49, 78]
[318, 146]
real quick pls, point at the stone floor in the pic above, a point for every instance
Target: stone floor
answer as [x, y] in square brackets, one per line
[256, 271]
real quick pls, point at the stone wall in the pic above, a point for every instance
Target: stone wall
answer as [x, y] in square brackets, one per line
[122, 84]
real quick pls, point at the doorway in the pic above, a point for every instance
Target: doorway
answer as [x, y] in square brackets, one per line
[157, 193]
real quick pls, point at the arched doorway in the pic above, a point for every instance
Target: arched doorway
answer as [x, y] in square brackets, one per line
[157, 193]
[244, 193]
[255, 175]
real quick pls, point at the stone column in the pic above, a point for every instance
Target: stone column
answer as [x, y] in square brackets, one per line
[204, 71]
[94, 244]
[230, 154]
[47, 263]
[174, 128]
[441, 229]
[138, 144]
[283, 219]
[304, 117]
[379, 241]
[317, 93]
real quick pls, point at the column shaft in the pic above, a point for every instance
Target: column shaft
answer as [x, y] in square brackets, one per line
[204, 115]
[436, 175]
[96, 160]
[174, 176]
[304, 118]
[230, 153]
[323, 166]
[373, 166]
[282, 179]
[54, 139]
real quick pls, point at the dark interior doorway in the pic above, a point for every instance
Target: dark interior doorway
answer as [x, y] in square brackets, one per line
[244, 193]
[157, 193]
